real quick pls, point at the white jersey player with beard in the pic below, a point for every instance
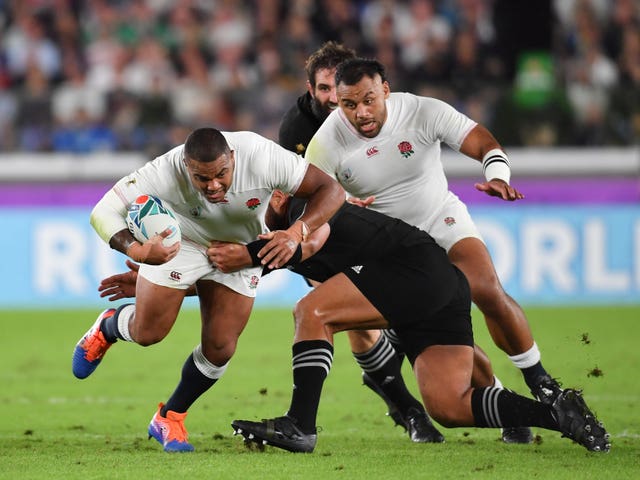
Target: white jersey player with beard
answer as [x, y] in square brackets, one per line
[400, 166]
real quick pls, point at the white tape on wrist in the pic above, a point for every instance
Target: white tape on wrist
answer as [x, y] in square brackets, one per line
[495, 165]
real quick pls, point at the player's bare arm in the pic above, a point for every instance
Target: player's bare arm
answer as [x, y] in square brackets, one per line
[151, 252]
[481, 145]
[230, 257]
[324, 197]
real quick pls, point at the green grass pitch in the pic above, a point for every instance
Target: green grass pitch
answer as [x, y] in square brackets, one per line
[57, 427]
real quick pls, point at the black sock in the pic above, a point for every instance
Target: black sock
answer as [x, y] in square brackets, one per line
[496, 407]
[382, 366]
[193, 383]
[312, 361]
[391, 335]
[532, 374]
[109, 326]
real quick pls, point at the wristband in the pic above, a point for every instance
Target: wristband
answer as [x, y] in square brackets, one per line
[295, 258]
[495, 165]
[255, 246]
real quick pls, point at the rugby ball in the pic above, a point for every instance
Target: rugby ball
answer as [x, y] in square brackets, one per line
[148, 216]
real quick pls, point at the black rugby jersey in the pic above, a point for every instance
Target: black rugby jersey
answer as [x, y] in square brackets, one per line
[359, 235]
[299, 125]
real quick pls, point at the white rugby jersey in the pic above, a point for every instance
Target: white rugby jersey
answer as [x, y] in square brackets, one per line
[401, 166]
[261, 166]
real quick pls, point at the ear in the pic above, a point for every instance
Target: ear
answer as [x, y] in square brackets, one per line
[278, 197]
[310, 89]
[386, 89]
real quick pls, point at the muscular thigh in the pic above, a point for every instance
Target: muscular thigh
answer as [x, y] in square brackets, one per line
[444, 374]
[337, 304]
[472, 257]
[157, 308]
[224, 313]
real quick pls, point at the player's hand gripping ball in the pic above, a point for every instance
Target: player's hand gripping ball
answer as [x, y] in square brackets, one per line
[148, 216]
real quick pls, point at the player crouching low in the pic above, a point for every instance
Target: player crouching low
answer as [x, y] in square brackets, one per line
[426, 300]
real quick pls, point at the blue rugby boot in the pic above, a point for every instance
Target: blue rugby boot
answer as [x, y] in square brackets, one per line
[91, 348]
[169, 431]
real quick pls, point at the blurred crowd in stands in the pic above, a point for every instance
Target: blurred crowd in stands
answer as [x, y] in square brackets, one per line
[94, 75]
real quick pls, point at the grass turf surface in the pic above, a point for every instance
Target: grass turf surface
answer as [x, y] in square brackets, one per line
[55, 426]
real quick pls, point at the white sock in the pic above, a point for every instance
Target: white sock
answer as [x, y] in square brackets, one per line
[526, 359]
[124, 316]
[207, 368]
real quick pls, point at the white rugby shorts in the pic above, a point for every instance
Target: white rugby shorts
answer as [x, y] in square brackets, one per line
[452, 223]
[191, 264]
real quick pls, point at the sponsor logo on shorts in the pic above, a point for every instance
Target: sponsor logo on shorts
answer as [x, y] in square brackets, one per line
[357, 268]
[253, 282]
[372, 151]
[450, 221]
[406, 149]
[176, 276]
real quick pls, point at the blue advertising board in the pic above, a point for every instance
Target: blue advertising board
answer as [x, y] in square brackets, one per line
[544, 254]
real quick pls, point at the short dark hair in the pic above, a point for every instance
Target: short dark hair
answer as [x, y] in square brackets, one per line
[351, 72]
[205, 145]
[329, 55]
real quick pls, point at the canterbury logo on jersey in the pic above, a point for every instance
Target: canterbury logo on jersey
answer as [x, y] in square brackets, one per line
[357, 268]
[372, 151]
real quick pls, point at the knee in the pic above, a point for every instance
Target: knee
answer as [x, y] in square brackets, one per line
[219, 352]
[450, 407]
[487, 293]
[363, 340]
[147, 337]
[305, 314]
[447, 415]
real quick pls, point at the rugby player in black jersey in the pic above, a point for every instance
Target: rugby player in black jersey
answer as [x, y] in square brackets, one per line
[380, 272]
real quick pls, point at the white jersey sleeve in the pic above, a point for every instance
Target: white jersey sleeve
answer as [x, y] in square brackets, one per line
[440, 122]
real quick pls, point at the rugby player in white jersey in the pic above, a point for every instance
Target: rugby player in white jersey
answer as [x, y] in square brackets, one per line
[384, 148]
[219, 185]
